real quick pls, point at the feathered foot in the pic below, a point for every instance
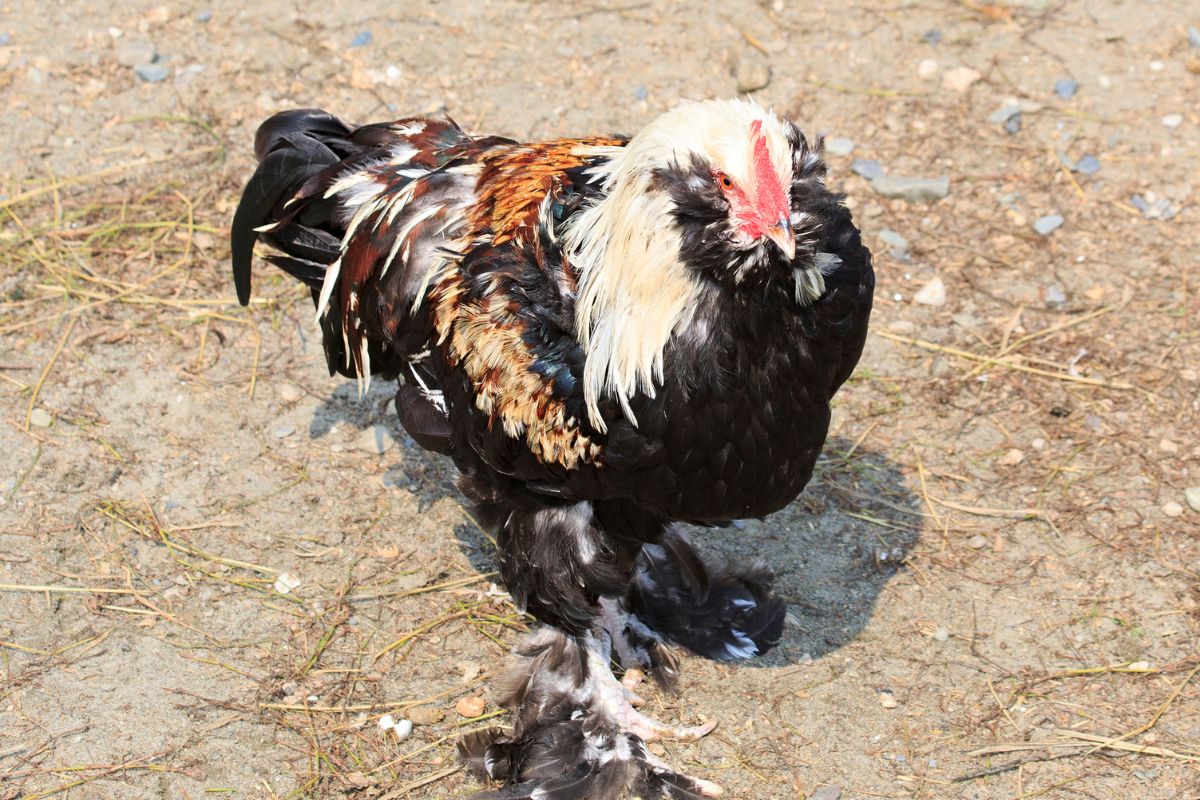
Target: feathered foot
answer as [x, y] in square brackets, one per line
[577, 735]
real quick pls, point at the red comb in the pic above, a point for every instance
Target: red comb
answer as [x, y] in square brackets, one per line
[771, 199]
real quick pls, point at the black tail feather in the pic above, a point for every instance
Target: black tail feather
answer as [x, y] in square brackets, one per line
[723, 614]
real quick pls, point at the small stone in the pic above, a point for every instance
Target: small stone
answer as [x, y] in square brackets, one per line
[887, 700]
[5, 39]
[403, 729]
[827, 793]
[1048, 224]
[1172, 509]
[289, 393]
[1054, 296]
[839, 146]
[1157, 66]
[1066, 88]
[1038, 444]
[1168, 446]
[152, 73]
[362, 39]
[470, 706]
[933, 36]
[286, 583]
[1192, 496]
[1004, 113]
[40, 418]
[1172, 120]
[869, 168]
[977, 542]
[1104, 81]
[203, 16]
[1088, 165]
[426, 715]
[753, 72]
[927, 68]
[135, 52]
[282, 431]
[893, 239]
[159, 15]
[1013, 124]
[1193, 37]
[960, 79]
[387, 722]
[641, 92]
[915, 190]
[941, 635]
[1011, 458]
[903, 327]
[375, 439]
[931, 294]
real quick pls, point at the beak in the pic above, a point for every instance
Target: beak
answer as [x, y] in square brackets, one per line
[781, 234]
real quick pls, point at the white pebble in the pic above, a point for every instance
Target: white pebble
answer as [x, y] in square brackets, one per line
[387, 722]
[286, 583]
[1172, 120]
[40, 418]
[977, 542]
[1192, 495]
[403, 729]
[927, 68]
[1172, 509]
[941, 635]
[931, 294]
[288, 393]
[887, 700]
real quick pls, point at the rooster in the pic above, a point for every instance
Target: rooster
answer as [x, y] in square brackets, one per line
[609, 336]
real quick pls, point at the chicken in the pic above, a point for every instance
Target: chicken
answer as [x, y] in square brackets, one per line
[609, 336]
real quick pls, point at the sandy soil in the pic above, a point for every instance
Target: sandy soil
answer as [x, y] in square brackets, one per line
[995, 569]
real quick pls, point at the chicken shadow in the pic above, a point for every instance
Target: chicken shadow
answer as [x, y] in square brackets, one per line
[832, 550]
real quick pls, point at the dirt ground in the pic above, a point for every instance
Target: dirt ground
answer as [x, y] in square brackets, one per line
[213, 585]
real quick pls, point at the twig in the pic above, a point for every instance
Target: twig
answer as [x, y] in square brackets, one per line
[19, 587]
[37, 387]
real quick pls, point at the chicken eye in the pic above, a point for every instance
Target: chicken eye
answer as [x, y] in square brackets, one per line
[725, 182]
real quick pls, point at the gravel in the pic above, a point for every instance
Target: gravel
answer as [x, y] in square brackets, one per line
[1048, 224]
[40, 418]
[1172, 120]
[1088, 165]
[203, 16]
[893, 239]
[827, 793]
[869, 168]
[1172, 509]
[1054, 296]
[1013, 124]
[1004, 113]
[288, 393]
[941, 635]
[914, 190]
[135, 53]
[1066, 88]
[960, 79]
[977, 542]
[362, 39]
[1194, 37]
[1192, 496]
[927, 68]
[375, 439]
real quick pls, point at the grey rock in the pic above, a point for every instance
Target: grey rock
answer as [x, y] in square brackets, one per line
[1153, 207]
[931, 294]
[1066, 88]
[375, 439]
[1004, 113]
[362, 39]
[1088, 165]
[1193, 36]
[914, 190]
[893, 239]
[869, 168]
[977, 542]
[1192, 496]
[827, 793]
[203, 16]
[941, 635]
[1054, 296]
[641, 92]
[5, 39]
[282, 431]
[40, 418]
[1048, 224]
[839, 146]
[153, 73]
[932, 36]
[136, 52]
[1013, 124]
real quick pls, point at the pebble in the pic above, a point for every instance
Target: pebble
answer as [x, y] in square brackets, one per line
[927, 68]
[403, 729]
[869, 168]
[839, 146]
[1066, 88]
[152, 73]
[916, 190]
[362, 39]
[1194, 37]
[977, 542]
[203, 16]
[1172, 509]
[1011, 458]
[40, 418]
[289, 393]
[1104, 81]
[1192, 496]
[1004, 113]
[887, 700]
[386, 722]
[426, 715]
[1088, 165]
[933, 36]
[827, 793]
[893, 239]
[931, 294]
[135, 52]
[1012, 125]
[960, 79]
[941, 635]
[1168, 446]
[1038, 444]
[641, 92]
[753, 72]
[1152, 206]
[470, 706]
[903, 327]
[286, 583]
[1054, 296]
[5, 39]
[1048, 224]
[1172, 120]
[375, 439]
[282, 431]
